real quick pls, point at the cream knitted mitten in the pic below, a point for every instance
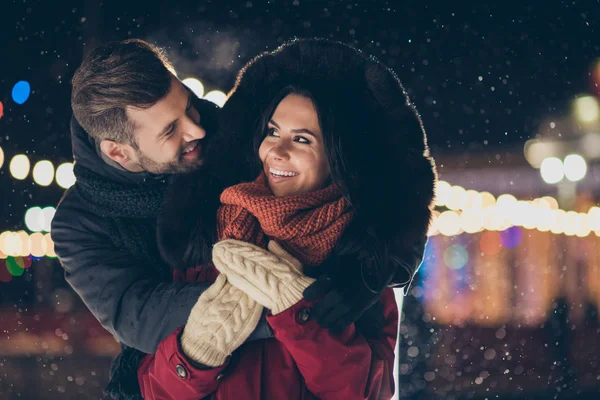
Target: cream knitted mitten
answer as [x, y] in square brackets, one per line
[220, 322]
[274, 279]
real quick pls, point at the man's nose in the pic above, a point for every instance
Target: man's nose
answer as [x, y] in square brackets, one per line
[193, 131]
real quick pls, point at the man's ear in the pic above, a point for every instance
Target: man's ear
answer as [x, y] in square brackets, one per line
[122, 154]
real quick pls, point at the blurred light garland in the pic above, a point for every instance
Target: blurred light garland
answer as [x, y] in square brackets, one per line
[470, 211]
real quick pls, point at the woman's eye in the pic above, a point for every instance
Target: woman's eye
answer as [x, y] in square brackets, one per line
[301, 139]
[272, 132]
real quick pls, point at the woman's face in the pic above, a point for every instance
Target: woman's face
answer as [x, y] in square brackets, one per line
[292, 153]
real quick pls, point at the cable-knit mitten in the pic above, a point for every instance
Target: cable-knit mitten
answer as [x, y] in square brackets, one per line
[274, 279]
[220, 322]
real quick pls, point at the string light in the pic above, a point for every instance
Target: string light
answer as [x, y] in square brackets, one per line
[19, 166]
[471, 212]
[43, 173]
[20, 244]
[65, 178]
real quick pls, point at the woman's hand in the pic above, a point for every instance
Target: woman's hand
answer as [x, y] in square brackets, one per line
[273, 279]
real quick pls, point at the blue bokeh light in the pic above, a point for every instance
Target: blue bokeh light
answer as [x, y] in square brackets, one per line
[21, 92]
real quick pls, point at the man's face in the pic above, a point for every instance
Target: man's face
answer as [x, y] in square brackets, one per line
[168, 134]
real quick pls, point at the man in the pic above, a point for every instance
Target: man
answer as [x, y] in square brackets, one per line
[134, 124]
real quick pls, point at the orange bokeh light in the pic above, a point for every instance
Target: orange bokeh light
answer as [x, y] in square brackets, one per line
[490, 243]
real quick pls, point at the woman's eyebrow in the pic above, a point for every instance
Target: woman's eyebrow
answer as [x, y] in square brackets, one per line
[308, 132]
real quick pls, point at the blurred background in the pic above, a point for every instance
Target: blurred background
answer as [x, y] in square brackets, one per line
[505, 304]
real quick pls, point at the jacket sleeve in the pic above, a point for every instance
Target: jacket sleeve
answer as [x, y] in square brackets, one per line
[136, 306]
[346, 366]
[169, 374]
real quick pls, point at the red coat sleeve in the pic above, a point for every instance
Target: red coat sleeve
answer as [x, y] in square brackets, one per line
[168, 374]
[347, 366]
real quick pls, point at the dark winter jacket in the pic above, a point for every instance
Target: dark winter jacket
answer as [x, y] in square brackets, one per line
[139, 305]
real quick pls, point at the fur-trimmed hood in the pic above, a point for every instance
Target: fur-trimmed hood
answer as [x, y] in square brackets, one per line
[388, 153]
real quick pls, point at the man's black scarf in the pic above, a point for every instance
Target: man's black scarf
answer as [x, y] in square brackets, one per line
[130, 209]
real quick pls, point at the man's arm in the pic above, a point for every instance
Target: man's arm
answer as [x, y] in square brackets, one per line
[136, 306]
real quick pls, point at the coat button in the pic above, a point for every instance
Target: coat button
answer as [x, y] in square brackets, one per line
[220, 376]
[303, 316]
[181, 372]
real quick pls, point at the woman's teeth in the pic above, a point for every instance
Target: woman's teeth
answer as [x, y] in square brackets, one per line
[277, 172]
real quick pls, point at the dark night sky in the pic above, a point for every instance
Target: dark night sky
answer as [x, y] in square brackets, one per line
[482, 75]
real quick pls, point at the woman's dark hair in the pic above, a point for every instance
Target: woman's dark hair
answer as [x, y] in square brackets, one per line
[352, 151]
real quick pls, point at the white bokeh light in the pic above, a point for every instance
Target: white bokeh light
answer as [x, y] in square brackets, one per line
[217, 97]
[195, 86]
[47, 214]
[19, 166]
[587, 109]
[33, 218]
[552, 170]
[575, 167]
[43, 173]
[1, 157]
[64, 175]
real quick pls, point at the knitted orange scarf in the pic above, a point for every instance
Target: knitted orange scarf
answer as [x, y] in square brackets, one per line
[307, 225]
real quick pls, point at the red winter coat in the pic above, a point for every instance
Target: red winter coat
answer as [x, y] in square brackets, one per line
[303, 361]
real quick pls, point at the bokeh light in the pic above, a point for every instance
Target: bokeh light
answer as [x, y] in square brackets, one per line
[21, 92]
[14, 267]
[586, 108]
[456, 256]
[5, 276]
[511, 237]
[1, 157]
[65, 178]
[19, 166]
[49, 246]
[472, 220]
[594, 218]
[217, 97]
[490, 243]
[559, 221]
[448, 223]
[442, 193]
[575, 167]
[487, 199]
[458, 198]
[47, 215]
[552, 170]
[195, 86]
[1, 109]
[33, 219]
[43, 173]
[36, 244]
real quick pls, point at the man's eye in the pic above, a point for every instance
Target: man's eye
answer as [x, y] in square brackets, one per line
[170, 131]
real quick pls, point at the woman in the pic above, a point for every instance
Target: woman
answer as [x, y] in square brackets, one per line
[328, 154]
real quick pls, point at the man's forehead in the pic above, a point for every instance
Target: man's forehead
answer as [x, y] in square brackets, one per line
[161, 113]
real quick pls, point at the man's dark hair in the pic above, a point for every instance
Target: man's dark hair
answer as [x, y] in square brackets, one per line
[114, 76]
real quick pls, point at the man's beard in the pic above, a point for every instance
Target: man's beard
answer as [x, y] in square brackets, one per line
[177, 166]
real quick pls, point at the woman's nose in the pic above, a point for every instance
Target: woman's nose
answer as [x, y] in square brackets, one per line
[280, 151]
